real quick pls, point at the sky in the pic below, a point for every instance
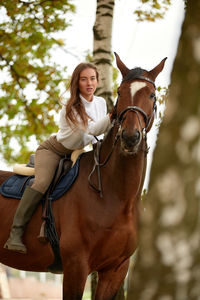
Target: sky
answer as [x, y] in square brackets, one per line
[142, 44]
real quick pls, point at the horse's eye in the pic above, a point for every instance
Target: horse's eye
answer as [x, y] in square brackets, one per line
[118, 92]
[152, 96]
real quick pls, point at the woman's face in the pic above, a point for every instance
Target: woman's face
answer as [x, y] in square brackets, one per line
[88, 83]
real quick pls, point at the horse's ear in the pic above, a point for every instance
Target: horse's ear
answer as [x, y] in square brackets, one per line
[155, 71]
[121, 66]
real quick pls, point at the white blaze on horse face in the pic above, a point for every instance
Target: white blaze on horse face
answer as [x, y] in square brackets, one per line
[136, 86]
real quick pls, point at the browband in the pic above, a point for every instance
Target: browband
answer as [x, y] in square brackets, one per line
[142, 78]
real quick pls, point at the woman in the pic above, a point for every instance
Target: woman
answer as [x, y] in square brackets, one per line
[83, 116]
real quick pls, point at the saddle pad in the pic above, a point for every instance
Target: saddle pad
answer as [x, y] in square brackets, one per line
[15, 185]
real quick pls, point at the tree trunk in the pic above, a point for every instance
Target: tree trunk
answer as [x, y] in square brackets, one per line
[168, 262]
[102, 49]
[102, 58]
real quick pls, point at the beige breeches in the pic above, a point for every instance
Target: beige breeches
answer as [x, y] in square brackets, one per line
[47, 157]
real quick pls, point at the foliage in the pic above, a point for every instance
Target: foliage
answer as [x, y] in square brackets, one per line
[162, 97]
[29, 79]
[115, 83]
[150, 10]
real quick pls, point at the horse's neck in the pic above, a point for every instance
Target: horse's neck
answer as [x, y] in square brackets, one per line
[129, 171]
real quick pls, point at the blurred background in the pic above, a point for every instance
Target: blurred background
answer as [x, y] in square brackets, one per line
[41, 42]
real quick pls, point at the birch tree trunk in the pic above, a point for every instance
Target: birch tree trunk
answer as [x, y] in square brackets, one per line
[102, 48]
[102, 58]
[168, 262]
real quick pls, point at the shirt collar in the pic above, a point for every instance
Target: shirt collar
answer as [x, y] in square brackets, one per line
[85, 101]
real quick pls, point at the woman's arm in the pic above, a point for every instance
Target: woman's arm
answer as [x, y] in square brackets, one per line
[98, 127]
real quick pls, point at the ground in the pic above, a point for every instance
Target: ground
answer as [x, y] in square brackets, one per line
[31, 288]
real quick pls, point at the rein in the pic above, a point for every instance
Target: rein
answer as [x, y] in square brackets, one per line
[97, 164]
[119, 120]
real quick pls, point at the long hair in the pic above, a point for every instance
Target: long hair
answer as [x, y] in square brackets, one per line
[74, 105]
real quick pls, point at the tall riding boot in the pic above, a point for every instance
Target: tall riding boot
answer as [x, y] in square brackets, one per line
[24, 212]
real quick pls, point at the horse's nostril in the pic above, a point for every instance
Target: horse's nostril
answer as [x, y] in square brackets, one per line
[131, 140]
[123, 135]
[136, 135]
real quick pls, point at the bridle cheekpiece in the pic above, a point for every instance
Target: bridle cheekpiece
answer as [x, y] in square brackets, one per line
[147, 119]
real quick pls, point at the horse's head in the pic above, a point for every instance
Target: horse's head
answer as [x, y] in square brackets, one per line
[136, 104]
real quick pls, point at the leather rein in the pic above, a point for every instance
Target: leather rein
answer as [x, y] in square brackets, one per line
[119, 121]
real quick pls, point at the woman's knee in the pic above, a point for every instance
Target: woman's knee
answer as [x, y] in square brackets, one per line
[41, 186]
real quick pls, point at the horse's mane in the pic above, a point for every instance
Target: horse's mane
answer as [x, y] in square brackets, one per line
[108, 134]
[134, 74]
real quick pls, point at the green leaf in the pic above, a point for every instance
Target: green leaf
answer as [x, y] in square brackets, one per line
[31, 87]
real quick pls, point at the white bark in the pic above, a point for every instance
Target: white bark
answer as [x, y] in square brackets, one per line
[102, 51]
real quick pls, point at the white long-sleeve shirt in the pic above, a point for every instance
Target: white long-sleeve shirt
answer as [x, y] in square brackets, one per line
[77, 137]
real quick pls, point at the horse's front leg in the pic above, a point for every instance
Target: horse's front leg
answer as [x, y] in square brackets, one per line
[75, 275]
[110, 282]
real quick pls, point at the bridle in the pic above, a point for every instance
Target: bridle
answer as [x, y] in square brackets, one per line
[119, 121]
[137, 109]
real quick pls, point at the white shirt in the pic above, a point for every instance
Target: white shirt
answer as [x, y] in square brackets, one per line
[77, 137]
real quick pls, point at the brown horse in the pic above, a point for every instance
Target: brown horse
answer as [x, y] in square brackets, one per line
[97, 233]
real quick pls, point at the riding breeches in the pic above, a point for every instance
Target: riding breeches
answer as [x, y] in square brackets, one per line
[47, 158]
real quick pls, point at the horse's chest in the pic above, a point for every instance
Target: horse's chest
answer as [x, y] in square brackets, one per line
[117, 245]
[123, 238]
[113, 238]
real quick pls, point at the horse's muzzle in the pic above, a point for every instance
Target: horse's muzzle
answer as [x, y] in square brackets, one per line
[130, 143]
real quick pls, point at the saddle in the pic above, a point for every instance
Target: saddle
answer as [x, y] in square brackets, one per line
[64, 166]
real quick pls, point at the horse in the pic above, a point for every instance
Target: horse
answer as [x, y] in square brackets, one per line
[97, 219]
